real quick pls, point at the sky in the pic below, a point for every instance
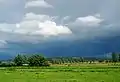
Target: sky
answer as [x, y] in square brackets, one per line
[59, 27]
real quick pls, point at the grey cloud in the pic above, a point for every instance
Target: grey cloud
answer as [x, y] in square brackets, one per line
[11, 11]
[77, 10]
[109, 9]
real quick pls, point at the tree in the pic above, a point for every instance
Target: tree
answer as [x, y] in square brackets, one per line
[37, 60]
[119, 58]
[82, 59]
[0, 62]
[25, 59]
[114, 57]
[19, 60]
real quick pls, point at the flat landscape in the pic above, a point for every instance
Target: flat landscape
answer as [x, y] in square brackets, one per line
[63, 73]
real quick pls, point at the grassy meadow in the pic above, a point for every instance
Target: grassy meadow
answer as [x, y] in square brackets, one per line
[63, 73]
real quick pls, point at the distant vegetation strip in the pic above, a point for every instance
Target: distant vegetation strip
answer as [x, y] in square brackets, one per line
[38, 60]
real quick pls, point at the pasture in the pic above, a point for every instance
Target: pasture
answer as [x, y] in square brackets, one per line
[63, 73]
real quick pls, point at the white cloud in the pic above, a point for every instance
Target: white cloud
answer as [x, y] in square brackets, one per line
[40, 25]
[32, 16]
[90, 27]
[50, 28]
[38, 3]
[33, 27]
[88, 21]
[46, 28]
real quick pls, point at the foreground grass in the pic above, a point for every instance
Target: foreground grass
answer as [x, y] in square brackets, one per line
[82, 73]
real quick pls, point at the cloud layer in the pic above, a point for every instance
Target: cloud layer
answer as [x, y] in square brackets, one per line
[36, 21]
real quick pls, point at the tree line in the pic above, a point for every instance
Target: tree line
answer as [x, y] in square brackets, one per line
[115, 57]
[39, 60]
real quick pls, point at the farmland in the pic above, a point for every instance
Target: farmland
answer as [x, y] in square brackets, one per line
[63, 73]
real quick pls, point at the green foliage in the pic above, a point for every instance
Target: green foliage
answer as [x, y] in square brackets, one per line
[119, 57]
[64, 60]
[114, 57]
[33, 60]
[6, 64]
[20, 60]
[37, 60]
[0, 62]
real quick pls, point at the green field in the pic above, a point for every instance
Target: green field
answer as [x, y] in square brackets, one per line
[74, 73]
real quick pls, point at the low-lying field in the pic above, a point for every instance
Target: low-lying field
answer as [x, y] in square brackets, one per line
[73, 73]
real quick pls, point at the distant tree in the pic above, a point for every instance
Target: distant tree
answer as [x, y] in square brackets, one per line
[18, 60]
[100, 60]
[7, 64]
[37, 60]
[119, 57]
[82, 59]
[69, 60]
[25, 59]
[114, 57]
[0, 62]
